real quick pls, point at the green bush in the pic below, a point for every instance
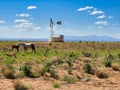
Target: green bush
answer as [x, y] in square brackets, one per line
[27, 71]
[60, 61]
[69, 62]
[86, 54]
[88, 69]
[56, 85]
[107, 63]
[110, 57]
[46, 68]
[72, 55]
[53, 74]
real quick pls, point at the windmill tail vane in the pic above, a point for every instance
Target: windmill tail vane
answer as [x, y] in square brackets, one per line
[59, 22]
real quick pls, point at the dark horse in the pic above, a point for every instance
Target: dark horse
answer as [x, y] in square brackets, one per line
[15, 47]
[27, 45]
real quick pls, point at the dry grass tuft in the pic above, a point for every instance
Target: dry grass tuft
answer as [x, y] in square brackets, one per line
[115, 66]
[18, 85]
[10, 54]
[9, 74]
[101, 74]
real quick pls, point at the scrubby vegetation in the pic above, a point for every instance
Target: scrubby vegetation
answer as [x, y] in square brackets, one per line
[69, 62]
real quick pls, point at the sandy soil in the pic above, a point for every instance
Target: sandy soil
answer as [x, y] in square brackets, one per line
[94, 83]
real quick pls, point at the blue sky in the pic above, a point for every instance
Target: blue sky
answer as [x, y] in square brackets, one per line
[30, 18]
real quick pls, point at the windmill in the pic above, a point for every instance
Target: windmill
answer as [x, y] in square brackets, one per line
[51, 29]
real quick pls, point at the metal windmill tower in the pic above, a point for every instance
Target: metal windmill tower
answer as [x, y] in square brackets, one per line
[51, 28]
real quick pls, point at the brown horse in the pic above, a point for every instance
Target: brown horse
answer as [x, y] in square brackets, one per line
[15, 47]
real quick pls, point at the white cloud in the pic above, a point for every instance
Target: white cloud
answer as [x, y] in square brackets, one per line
[31, 7]
[23, 15]
[36, 28]
[102, 16]
[110, 16]
[85, 8]
[101, 23]
[117, 36]
[24, 25]
[21, 21]
[2, 21]
[96, 12]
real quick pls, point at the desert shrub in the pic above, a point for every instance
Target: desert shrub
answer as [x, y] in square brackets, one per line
[53, 74]
[110, 57]
[70, 71]
[46, 52]
[119, 55]
[20, 74]
[19, 85]
[60, 61]
[57, 61]
[56, 85]
[88, 69]
[107, 62]
[46, 68]
[72, 55]
[86, 54]
[8, 73]
[50, 44]
[96, 55]
[69, 79]
[101, 74]
[27, 71]
[115, 66]
[69, 62]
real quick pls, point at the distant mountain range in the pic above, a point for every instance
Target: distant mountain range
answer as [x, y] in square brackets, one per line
[91, 38]
[69, 38]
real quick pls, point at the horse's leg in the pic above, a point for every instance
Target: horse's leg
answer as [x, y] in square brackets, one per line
[33, 47]
[17, 49]
[25, 48]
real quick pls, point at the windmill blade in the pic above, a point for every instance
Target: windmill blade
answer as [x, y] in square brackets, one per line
[59, 22]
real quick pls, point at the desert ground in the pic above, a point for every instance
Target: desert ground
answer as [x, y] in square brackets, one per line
[60, 66]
